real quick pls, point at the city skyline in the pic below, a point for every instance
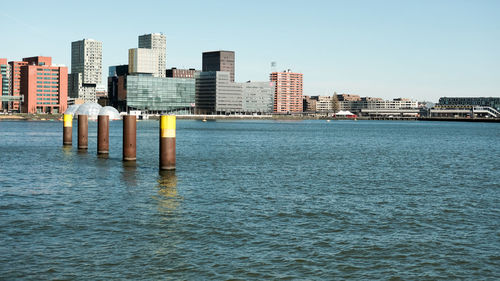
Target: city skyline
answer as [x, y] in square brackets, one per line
[422, 50]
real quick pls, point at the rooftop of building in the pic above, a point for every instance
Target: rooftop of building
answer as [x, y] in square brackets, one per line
[225, 51]
[156, 33]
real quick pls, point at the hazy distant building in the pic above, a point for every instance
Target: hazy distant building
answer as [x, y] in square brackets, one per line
[86, 69]
[288, 91]
[157, 43]
[219, 61]
[181, 73]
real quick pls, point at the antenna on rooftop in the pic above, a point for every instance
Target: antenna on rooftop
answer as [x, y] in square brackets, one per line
[273, 66]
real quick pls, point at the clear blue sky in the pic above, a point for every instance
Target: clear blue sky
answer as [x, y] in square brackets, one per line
[417, 49]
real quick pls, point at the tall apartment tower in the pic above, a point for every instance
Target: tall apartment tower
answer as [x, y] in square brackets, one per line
[86, 69]
[288, 91]
[219, 61]
[157, 42]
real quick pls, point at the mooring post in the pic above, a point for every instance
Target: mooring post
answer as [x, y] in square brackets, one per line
[129, 138]
[68, 129]
[167, 142]
[102, 134]
[83, 131]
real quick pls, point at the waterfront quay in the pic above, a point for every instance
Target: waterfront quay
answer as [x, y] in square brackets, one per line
[56, 117]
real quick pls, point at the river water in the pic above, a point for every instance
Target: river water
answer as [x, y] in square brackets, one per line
[253, 200]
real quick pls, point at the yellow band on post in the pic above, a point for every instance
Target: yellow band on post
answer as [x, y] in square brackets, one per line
[167, 126]
[68, 120]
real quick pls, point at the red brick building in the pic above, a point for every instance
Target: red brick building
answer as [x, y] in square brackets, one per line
[288, 94]
[181, 73]
[43, 86]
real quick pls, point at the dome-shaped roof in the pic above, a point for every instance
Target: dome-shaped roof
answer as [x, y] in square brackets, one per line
[89, 108]
[111, 112]
[72, 109]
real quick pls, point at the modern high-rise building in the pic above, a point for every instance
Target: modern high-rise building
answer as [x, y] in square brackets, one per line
[288, 91]
[157, 43]
[4, 82]
[86, 69]
[219, 61]
[42, 85]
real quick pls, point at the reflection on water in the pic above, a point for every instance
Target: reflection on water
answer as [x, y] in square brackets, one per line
[129, 173]
[103, 155]
[67, 150]
[168, 199]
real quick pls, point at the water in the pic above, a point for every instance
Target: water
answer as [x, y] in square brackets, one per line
[254, 200]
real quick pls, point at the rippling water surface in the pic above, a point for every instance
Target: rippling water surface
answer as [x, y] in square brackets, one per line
[254, 200]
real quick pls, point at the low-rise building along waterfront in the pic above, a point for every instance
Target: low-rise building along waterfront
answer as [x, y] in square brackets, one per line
[317, 104]
[468, 107]
[216, 94]
[159, 95]
[493, 102]
[258, 97]
[378, 105]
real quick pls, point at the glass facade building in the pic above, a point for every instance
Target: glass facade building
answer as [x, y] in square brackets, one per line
[160, 94]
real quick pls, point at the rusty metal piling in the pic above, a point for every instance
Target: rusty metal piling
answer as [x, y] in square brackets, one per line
[83, 131]
[129, 137]
[103, 134]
